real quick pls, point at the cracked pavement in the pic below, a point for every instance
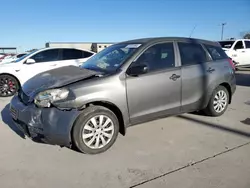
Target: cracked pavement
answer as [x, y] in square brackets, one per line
[189, 150]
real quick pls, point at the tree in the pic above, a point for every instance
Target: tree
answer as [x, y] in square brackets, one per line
[247, 36]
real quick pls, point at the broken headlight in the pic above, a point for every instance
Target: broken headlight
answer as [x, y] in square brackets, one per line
[46, 98]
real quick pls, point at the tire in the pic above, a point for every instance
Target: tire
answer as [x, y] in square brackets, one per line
[212, 109]
[8, 85]
[84, 125]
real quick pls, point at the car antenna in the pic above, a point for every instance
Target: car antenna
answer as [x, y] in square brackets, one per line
[192, 31]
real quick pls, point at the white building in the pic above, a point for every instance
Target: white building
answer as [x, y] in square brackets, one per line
[95, 47]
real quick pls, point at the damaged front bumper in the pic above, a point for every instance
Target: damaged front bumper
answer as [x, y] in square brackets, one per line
[49, 125]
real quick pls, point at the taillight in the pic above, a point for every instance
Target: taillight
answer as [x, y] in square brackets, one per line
[231, 63]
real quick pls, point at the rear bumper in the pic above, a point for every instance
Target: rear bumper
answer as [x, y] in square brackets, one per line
[49, 125]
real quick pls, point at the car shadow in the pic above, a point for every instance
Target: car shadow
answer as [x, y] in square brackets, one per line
[242, 78]
[7, 119]
[246, 121]
[215, 126]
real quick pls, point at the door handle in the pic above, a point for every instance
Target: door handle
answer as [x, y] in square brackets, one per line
[174, 77]
[243, 51]
[210, 70]
[53, 65]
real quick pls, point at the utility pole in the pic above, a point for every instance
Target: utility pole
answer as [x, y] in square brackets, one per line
[222, 30]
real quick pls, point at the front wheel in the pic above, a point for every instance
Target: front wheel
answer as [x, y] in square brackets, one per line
[218, 103]
[8, 85]
[96, 130]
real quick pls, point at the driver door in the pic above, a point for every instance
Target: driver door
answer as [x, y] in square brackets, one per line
[157, 92]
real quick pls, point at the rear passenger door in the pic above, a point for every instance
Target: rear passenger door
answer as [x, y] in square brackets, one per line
[194, 71]
[74, 57]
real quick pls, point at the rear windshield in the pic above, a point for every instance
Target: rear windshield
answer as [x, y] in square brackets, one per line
[216, 52]
[226, 44]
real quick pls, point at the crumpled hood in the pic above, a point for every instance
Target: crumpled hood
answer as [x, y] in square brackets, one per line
[55, 78]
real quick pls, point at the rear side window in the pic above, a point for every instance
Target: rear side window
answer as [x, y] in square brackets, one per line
[69, 54]
[239, 45]
[87, 54]
[247, 43]
[191, 53]
[216, 52]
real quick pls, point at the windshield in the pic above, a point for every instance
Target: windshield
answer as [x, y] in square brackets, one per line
[111, 58]
[226, 44]
[23, 57]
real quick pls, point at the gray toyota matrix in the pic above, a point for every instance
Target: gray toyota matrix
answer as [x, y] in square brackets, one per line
[125, 84]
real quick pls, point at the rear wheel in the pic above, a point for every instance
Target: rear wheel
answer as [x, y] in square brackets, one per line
[8, 85]
[96, 130]
[218, 103]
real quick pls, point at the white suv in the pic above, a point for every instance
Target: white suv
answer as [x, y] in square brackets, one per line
[14, 74]
[238, 51]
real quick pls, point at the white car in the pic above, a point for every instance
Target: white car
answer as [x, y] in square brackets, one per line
[14, 74]
[238, 51]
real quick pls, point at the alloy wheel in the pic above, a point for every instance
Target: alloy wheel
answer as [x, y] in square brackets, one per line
[98, 132]
[220, 101]
[8, 86]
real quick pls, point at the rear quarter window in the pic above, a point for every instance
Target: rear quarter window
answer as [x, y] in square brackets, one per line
[87, 54]
[216, 52]
[69, 54]
[247, 43]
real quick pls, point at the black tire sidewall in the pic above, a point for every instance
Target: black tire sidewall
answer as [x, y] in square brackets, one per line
[211, 110]
[13, 80]
[83, 118]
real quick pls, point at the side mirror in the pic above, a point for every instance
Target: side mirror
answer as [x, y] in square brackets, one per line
[30, 61]
[137, 70]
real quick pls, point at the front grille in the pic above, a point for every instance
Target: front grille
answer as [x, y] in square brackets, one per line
[13, 112]
[25, 99]
[22, 126]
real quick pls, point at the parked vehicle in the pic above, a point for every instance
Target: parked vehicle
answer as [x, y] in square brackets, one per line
[8, 58]
[15, 74]
[2, 56]
[11, 58]
[238, 51]
[125, 84]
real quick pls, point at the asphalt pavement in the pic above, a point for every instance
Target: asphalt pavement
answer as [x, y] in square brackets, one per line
[189, 150]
